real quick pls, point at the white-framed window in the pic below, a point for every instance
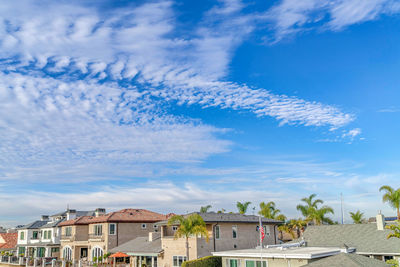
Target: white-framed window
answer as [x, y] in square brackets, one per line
[22, 236]
[67, 253]
[217, 232]
[267, 230]
[144, 226]
[178, 260]
[97, 229]
[112, 229]
[255, 263]
[35, 235]
[68, 231]
[97, 252]
[234, 231]
[174, 228]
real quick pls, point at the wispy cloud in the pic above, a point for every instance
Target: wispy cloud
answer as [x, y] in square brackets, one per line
[289, 17]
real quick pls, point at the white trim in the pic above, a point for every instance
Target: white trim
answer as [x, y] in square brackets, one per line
[115, 228]
[70, 254]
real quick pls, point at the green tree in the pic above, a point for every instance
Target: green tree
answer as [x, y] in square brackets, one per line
[312, 213]
[242, 207]
[395, 230]
[221, 211]
[191, 225]
[269, 210]
[392, 197]
[205, 209]
[298, 225]
[287, 228]
[357, 217]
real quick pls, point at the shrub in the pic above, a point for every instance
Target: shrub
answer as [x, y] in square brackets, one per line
[209, 261]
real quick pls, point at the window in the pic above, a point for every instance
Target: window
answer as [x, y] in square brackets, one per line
[112, 229]
[178, 260]
[217, 232]
[40, 252]
[155, 226]
[174, 228]
[45, 235]
[232, 263]
[68, 231]
[234, 231]
[35, 235]
[97, 252]
[67, 253]
[21, 250]
[144, 226]
[250, 263]
[267, 231]
[98, 229]
[22, 236]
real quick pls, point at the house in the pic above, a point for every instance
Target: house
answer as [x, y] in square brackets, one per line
[347, 259]
[41, 238]
[90, 237]
[226, 231]
[276, 256]
[369, 239]
[8, 242]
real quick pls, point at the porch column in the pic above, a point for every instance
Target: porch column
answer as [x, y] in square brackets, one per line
[152, 261]
[140, 261]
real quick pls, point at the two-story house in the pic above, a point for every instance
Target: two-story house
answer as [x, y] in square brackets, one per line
[42, 238]
[226, 231]
[90, 237]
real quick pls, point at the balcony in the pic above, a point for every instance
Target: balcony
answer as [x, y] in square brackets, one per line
[96, 237]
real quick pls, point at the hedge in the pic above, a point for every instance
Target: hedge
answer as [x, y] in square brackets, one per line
[209, 261]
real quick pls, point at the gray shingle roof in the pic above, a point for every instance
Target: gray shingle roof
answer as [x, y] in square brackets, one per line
[139, 246]
[348, 260]
[52, 224]
[211, 217]
[364, 237]
[34, 225]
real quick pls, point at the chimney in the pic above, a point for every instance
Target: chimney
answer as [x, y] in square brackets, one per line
[380, 221]
[153, 236]
[45, 218]
[99, 211]
[71, 214]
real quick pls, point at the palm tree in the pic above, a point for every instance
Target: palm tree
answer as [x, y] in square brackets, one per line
[358, 217]
[221, 211]
[242, 207]
[311, 212]
[392, 197]
[298, 225]
[287, 229]
[319, 217]
[268, 210]
[205, 209]
[191, 225]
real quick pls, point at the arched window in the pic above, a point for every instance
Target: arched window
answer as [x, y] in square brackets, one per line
[67, 253]
[97, 252]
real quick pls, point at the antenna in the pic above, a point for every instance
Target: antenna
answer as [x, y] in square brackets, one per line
[341, 206]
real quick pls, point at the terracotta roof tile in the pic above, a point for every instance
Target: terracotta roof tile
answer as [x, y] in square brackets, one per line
[125, 215]
[10, 240]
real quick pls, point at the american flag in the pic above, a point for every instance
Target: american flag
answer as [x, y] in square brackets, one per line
[262, 233]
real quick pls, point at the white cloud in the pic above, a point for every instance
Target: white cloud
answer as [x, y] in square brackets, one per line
[291, 16]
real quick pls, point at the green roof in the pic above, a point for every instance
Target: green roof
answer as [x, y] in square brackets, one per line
[365, 238]
[348, 260]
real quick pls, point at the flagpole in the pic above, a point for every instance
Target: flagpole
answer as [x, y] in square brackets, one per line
[261, 244]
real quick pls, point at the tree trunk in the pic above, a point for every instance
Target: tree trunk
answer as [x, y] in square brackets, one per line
[187, 248]
[398, 214]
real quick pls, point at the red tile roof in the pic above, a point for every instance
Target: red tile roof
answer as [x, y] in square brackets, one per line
[125, 215]
[10, 240]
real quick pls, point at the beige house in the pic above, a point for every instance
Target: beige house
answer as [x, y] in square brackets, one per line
[90, 237]
[226, 232]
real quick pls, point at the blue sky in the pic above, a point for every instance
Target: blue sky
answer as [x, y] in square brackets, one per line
[171, 105]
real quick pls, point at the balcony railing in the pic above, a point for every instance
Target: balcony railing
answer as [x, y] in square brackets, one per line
[96, 237]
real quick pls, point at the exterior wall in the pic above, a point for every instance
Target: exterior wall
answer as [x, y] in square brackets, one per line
[247, 237]
[270, 262]
[77, 240]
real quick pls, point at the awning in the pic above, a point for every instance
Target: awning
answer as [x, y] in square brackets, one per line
[119, 255]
